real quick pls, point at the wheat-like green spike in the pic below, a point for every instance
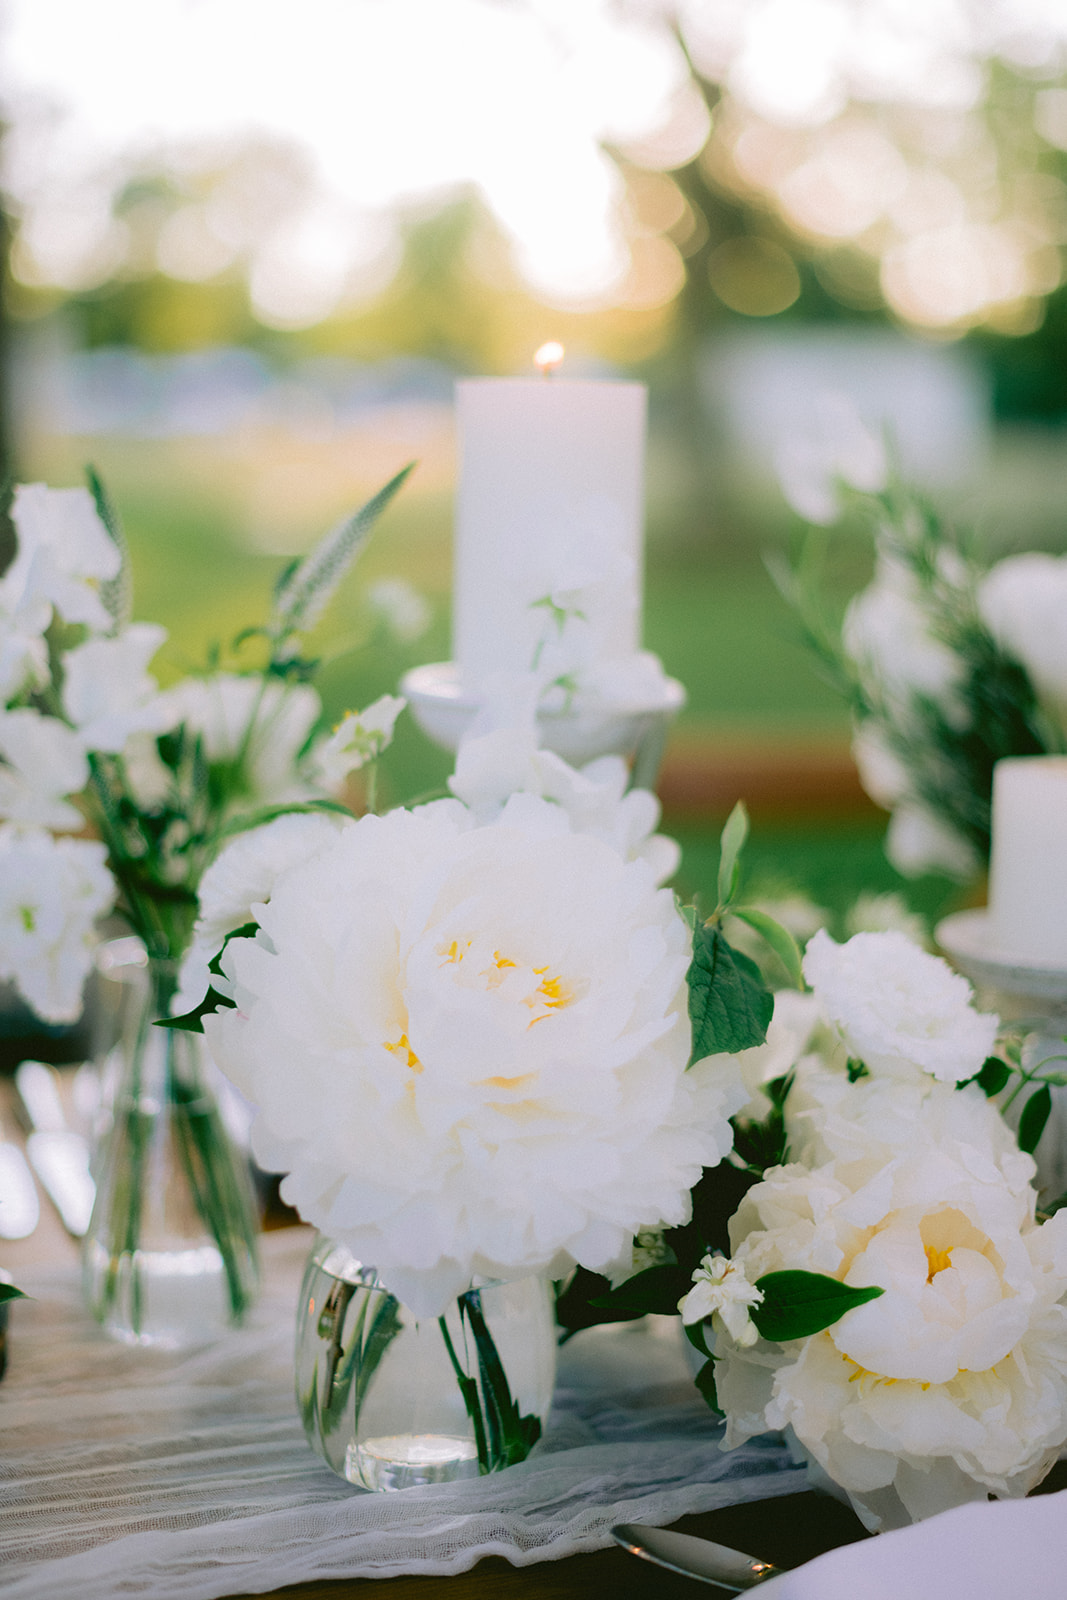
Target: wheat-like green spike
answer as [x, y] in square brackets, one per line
[116, 593]
[304, 594]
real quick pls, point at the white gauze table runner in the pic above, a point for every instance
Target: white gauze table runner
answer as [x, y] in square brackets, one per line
[188, 1476]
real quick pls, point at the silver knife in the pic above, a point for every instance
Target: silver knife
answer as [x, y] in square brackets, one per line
[730, 1570]
[58, 1155]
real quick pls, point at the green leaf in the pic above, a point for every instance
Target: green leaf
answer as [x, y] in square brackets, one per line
[797, 1304]
[116, 593]
[304, 593]
[9, 1292]
[779, 939]
[695, 1333]
[705, 1382]
[733, 837]
[730, 1006]
[657, 1290]
[1036, 1113]
[192, 1021]
[991, 1077]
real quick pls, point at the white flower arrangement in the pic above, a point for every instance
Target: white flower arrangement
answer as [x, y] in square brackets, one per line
[953, 1380]
[88, 738]
[947, 665]
[491, 1028]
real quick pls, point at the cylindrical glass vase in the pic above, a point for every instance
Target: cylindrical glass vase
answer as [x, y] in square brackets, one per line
[170, 1256]
[390, 1401]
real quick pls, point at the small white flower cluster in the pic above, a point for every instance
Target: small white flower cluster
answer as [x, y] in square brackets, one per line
[102, 701]
[953, 1382]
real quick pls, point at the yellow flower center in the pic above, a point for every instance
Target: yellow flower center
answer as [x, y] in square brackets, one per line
[937, 1260]
[402, 1046]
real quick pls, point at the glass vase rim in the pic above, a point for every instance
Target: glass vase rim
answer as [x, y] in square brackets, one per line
[366, 1277]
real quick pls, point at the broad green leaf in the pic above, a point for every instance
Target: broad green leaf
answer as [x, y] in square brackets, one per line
[1036, 1113]
[193, 1021]
[116, 593]
[779, 939]
[9, 1292]
[730, 1006]
[797, 1304]
[305, 592]
[733, 837]
[991, 1077]
[657, 1289]
[695, 1332]
[705, 1382]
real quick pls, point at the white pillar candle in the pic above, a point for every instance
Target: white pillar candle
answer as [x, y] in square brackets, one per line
[1028, 866]
[549, 524]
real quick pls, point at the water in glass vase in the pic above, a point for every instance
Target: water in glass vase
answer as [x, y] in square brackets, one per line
[390, 1401]
[169, 1258]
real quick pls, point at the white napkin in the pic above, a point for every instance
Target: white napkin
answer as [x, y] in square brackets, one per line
[996, 1550]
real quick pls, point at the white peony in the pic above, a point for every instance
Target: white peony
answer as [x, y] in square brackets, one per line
[505, 761]
[108, 692]
[722, 1292]
[41, 762]
[952, 1382]
[899, 1009]
[1023, 602]
[241, 877]
[51, 893]
[359, 737]
[63, 554]
[266, 723]
[468, 1046]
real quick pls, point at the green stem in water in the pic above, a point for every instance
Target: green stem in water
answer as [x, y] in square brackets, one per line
[468, 1388]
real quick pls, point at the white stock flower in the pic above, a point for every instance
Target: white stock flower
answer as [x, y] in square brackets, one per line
[889, 639]
[898, 1008]
[955, 1378]
[221, 708]
[359, 737]
[494, 766]
[468, 1046]
[918, 840]
[401, 607]
[108, 692]
[882, 773]
[41, 761]
[722, 1292]
[51, 893]
[242, 877]
[836, 446]
[63, 554]
[1023, 602]
[23, 648]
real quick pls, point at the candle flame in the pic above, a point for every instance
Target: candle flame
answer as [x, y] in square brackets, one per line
[548, 358]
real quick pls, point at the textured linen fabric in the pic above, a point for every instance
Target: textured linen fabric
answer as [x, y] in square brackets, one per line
[186, 1476]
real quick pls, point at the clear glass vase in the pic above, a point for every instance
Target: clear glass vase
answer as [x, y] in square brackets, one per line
[390, 1401]
[170, 1256]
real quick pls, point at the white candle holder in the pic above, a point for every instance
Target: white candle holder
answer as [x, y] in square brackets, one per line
[587, 727]
[1021, 990]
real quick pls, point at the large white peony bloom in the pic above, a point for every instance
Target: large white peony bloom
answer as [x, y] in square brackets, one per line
[899, 1009]
[51, 893]
[63, 554]
[954, 1380]
[1023, 602]
[468, 1046]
